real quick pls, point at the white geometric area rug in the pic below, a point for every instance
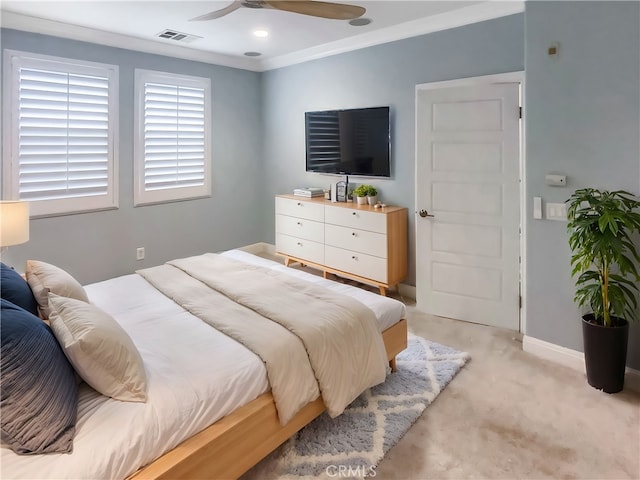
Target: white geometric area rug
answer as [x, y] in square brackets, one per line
[352, 445]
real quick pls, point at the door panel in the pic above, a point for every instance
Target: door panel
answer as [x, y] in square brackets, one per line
[467, 177]
[467, 157]
[467, 198]
[467, 115]
[478, 240]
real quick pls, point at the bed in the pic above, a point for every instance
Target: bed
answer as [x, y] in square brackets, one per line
[209, 411]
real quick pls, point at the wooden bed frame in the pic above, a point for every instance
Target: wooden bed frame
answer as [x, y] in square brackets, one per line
[237, 442]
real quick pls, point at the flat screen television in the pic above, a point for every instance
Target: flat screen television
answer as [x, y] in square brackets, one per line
[349, 142]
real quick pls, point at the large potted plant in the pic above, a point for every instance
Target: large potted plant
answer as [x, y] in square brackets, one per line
[604, 263]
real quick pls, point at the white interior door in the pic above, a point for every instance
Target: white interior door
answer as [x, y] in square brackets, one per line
[467, 177]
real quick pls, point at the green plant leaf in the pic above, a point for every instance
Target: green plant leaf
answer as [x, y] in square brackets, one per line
[604, 257]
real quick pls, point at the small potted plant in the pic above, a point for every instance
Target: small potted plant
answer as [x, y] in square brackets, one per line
[361, 192]
[604, 259]
[366, 194]
[372, 195]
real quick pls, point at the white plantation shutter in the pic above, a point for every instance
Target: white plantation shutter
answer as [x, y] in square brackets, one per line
[62, 134]
[174, 136]
[172, 155]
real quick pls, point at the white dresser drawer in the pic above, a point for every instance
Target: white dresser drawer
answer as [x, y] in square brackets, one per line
[357, 240]
[300, 209]
[360, 242]
[357, 263]
[300, 248]
[300, 227]
[348, 217]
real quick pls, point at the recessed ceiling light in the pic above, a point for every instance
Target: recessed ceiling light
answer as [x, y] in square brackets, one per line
[252, 54]
[261, 33]
[359, 22]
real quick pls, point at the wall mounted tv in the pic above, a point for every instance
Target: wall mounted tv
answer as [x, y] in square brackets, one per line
[349, 142]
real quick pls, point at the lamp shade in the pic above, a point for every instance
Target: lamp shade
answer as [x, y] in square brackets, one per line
[14, 223]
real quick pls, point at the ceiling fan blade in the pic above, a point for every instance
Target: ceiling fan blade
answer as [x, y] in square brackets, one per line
[335, 11]
[219, 13]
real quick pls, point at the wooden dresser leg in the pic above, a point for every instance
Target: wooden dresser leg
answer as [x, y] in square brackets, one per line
[287, 261]
[392, 364]
[324, 274]
[383, 291]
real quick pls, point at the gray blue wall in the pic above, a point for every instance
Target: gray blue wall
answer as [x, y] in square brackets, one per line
[378, 76]
[100, 245]
[582, 119]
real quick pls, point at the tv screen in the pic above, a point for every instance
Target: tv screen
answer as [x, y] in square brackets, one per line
[349, 142]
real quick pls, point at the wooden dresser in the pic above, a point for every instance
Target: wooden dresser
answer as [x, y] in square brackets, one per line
[360, 242]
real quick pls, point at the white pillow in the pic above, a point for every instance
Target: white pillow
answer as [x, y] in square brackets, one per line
[44, 278]
[98, 348]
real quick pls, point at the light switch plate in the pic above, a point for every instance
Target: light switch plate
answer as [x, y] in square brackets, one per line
[537, 208]
[557, 211]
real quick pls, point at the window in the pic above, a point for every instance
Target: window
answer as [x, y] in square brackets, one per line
[60, 133]
[172, 153]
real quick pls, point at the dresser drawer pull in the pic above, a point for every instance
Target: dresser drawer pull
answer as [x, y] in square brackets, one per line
[353, 257]
[354, 234]
[354, 213]
[299, 223]
[299, 204]
[299, 244]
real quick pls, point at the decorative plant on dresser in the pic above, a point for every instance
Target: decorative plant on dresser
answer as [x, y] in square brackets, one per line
[366, 194]
[605, 258]
[360, 242]
[360, 193]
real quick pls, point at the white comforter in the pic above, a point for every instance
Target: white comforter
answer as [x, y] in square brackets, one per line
[311, 339]
[196, 376]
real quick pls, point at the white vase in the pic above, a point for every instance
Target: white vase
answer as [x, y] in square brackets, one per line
[372, 200]
[362, 200]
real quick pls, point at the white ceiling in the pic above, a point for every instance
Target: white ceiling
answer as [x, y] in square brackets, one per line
[293, 38]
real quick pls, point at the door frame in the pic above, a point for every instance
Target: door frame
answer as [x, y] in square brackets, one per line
[509, 77]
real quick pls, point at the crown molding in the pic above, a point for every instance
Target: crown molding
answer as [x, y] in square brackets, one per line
[444, 21]
[475, 13]
[75, 32]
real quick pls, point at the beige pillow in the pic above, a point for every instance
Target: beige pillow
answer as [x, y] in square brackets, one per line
[99, 349]
[44, 278]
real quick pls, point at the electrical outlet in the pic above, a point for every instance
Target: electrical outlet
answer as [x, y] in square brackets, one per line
[140, 253]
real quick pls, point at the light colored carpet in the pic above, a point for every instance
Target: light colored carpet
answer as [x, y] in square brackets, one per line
[511, 415]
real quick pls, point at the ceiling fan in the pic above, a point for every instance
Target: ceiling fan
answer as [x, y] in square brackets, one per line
[334, 11]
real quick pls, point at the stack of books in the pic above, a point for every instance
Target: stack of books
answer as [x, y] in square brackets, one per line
[309, 192]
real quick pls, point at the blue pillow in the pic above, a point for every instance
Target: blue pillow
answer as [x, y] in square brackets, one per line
[16, 289]
[39, 394]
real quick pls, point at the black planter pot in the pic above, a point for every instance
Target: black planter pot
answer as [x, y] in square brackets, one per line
[605, 353]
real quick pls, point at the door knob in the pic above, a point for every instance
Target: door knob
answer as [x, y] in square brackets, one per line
[423, 213]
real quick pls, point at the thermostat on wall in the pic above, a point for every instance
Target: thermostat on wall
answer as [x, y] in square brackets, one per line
[555, 180]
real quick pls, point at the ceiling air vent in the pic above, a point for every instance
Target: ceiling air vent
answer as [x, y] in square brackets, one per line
[177, 36]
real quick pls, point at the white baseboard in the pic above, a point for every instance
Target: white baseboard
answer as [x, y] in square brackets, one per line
[408, 291]
[260, 247]
[572, 358]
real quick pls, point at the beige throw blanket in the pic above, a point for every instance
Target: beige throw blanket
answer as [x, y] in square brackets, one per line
[311, 340]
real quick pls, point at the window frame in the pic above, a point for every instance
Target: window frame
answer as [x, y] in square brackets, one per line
[141, 196]
[14, 60]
